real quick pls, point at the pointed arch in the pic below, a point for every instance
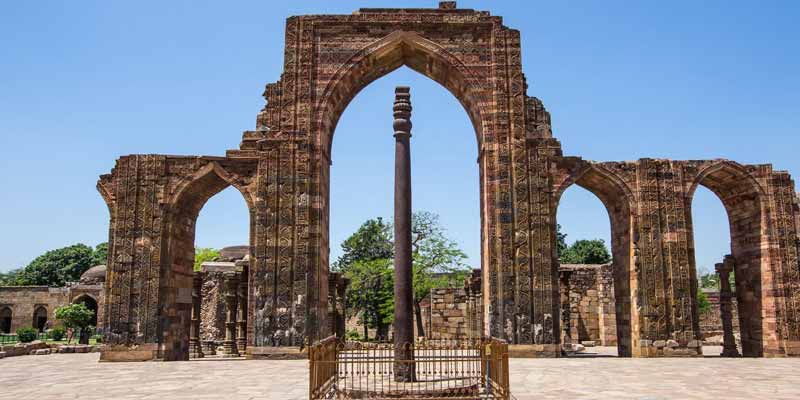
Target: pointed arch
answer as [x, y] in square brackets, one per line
[6, 318]
[744, 199]
[386, 55]
[619, 201]
[178, 271]
[209, 180]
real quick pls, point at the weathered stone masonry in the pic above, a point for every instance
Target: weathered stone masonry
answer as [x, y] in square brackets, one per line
[282, 170]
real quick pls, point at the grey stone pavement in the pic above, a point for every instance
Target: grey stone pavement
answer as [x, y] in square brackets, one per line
[80, 376]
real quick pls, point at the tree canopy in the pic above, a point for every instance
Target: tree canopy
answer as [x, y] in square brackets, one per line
[372, 241]
[203, 254]
[76, 316]
[57, 267]
[586, 252]
[371, 293]
[100, 255]
[367, 261]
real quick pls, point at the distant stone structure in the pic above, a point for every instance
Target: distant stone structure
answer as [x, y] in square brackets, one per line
[35, 306]
[282, 169]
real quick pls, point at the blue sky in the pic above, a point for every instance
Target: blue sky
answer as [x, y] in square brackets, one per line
[82, 83]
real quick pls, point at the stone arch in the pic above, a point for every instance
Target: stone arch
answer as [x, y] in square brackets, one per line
[619, 201]
[6, 316]
[40, 318]
[744, 201]
[177, 275]
[386, 55]
[90, 302]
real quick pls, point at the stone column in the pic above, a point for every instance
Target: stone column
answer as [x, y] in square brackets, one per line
[195, 347]
[241, 339]
[728, 340]
[403, 295]
[231, 286]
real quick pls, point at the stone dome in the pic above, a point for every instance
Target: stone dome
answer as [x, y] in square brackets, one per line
[93, 276]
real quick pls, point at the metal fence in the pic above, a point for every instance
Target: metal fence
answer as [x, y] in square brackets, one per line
[443, 369]
[11, 338]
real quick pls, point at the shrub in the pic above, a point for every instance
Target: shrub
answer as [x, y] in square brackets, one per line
[703, 304]
[352, 335]
[26, 335]
[56, 333]
[98, 338]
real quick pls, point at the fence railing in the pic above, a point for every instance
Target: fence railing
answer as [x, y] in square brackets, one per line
[11, 338]
[442, 369]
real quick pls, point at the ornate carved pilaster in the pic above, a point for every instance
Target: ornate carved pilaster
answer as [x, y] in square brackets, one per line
[241, 339]
[729, 341]
[195, 347]
[231, 288]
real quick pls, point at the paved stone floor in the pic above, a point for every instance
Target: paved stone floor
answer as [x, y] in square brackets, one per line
[80, 376]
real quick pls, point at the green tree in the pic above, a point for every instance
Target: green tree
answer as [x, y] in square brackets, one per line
[703, 304]
[711, 280]
[371, 293]
[76, 316]
[56, 267]
[437, 260]
[372, 241]
[561, 241]
[100, 254]
[203, 254]
[11, 278]
[586, 252]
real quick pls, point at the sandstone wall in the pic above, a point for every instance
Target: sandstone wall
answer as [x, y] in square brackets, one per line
[213, 308]
[25, 300]
[453, 314]
[591, 301]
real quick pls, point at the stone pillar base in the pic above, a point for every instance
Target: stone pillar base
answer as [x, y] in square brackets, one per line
[122, 353]
[230, 349]
[195, 349]
[534, 350]
[730, 353]
[668, 348]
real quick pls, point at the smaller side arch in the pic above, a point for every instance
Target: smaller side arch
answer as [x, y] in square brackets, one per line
[177, 272]
[6, 317]
[40, 318]
[90, 302]
[745, 203]
[618, 200]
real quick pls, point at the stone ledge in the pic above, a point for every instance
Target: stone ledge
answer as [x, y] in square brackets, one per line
[147, 352]
[667, 348]
[276, 353]
[534, 350]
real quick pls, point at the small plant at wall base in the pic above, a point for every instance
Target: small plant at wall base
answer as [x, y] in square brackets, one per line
[26, 335]
[77, 317]
[56, 333]
[703, 304]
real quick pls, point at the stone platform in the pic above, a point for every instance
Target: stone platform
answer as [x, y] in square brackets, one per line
[594, 375]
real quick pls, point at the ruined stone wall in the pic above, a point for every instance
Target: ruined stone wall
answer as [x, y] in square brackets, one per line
[453, 314]
[591, 301]
[25, 300]
[283, 167]
[212, 308]
[711, 321]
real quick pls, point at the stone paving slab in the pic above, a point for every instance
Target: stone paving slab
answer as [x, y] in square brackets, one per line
[80, 376]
